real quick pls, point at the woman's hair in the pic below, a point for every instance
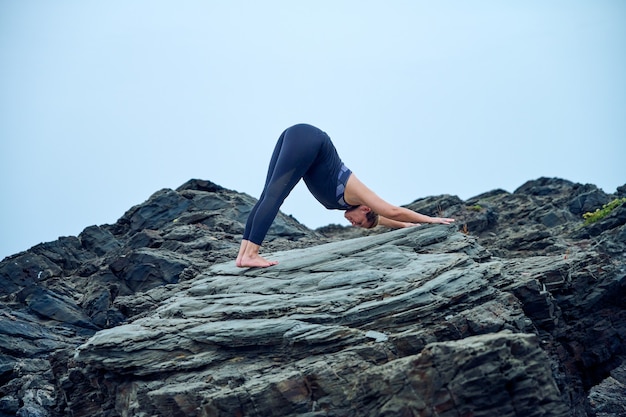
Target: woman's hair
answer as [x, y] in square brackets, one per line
[372, 218]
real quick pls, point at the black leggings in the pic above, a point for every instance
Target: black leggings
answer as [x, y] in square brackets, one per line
[295, 156]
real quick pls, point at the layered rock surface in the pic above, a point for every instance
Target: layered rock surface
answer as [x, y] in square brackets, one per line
[518, 310]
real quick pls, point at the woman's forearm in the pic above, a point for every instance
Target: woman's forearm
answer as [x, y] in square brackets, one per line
[394, 224]
[402, 214]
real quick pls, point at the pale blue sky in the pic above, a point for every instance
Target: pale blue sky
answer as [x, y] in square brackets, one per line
[103, 103]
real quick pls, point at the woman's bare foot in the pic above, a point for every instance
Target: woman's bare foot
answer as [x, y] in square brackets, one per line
[255, 262]
[249, 257]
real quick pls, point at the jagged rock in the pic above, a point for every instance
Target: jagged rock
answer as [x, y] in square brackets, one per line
[518, 310]
[99, 240]
[51, 305]
[541, 216]
[147, 268]
[607, 398]
[613, 220]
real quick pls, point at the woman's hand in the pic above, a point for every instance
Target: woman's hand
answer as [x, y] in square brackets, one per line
[441, 220]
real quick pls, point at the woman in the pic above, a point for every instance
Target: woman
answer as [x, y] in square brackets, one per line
[305, 152]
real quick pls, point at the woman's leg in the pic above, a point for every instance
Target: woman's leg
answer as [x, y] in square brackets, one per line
[294, 153]
[268, 178]
[245, 242]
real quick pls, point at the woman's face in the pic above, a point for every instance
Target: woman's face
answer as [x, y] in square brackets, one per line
[357, 216]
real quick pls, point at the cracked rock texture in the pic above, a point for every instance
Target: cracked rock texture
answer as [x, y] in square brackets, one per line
[517, 310]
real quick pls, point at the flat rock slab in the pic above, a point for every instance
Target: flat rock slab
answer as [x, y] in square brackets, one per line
[410, 322]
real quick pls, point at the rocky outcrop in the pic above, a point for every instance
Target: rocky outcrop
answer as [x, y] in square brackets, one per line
[518, 310]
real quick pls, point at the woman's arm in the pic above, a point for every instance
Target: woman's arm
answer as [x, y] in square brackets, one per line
[383, 221]
[357, 193]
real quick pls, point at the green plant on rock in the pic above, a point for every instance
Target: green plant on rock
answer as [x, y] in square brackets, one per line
[599, 214]
[475, 207]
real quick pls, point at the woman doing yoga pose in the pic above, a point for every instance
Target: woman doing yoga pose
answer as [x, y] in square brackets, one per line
[305, 152]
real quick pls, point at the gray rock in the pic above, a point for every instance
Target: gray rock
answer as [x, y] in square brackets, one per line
[517, 310]
[310, 320]
[607, 398]
[98, 240]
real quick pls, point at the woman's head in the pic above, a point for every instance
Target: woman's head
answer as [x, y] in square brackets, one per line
[361, 216]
